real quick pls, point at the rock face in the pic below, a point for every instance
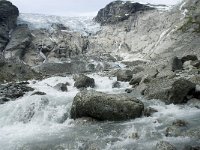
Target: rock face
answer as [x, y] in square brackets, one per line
[19, 42]
[118, 11]
[83, 82]
[103, 106]
[170, 91]
[8, 20]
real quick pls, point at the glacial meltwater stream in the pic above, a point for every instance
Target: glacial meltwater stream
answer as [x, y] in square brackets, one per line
[42, 122]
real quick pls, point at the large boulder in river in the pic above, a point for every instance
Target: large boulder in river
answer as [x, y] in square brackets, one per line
[102, 106]
[170, 91]
[119, 11]
[84, 81]
[8, 20]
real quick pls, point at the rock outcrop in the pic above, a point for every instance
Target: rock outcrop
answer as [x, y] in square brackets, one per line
[8, 21]
[102, 106]
[175, 91]
[20, 40]
[118, 11]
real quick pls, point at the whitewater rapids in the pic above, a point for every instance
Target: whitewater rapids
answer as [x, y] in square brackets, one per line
[38, 122]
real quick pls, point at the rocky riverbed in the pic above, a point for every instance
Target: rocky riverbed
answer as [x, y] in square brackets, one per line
[128, 79]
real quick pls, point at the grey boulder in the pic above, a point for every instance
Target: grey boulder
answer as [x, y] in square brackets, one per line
[124, 75]
[170, 91]
[84, 81]
[102, 106]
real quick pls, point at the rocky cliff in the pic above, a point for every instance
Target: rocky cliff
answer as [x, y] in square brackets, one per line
[8, 20]
[118, 11]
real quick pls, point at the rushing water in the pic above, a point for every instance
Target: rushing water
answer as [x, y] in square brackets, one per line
[42, 122]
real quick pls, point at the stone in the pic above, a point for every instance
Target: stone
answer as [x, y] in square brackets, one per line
[129, 90]
[84, 81]
[102, 106]
[194, 103]
[170, 91]
[38, 93]
[177, 128]
[61, 87]
[13, 91]
[189, 147]
[163, 145]
[149, 111]
[135, 80]
[176, 64]
[188, 58]
[116, 84]
[124, 75]
[196, 63]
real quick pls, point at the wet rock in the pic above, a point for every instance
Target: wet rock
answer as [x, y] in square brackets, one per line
[177, 128]
[61, 87]
[124, 75]
[141, 88]
[90, 146]
[4, 100]
[84, 81]
[118, 11]
[135, 80]
[188, 58]
[116, 84]
[189, 147]
[149, 111]
[163, 145]
[196, 63]
[13, 91]
[38, 93]
[192, 133]
[102, 106]
[176, 64]
[194, 103]
[129, 90]
[170, 91]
